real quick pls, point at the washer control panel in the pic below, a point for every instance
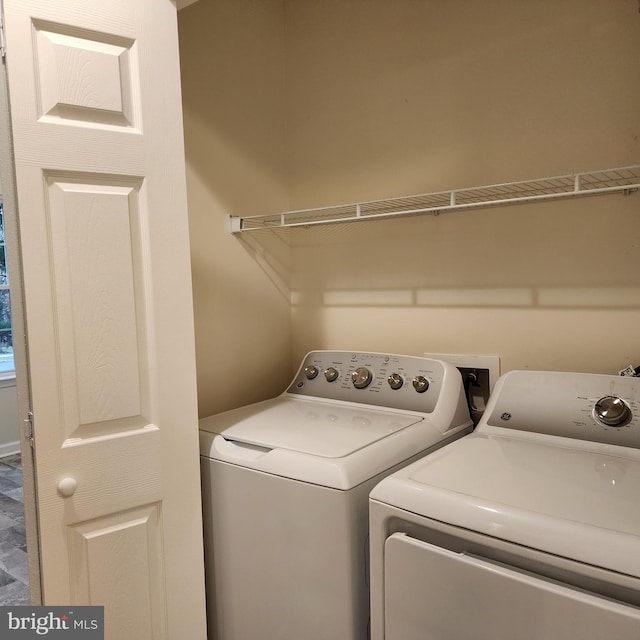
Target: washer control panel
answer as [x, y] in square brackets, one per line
[384, 380]
[599, 408]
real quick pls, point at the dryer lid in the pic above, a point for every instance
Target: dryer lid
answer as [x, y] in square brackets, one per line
[564, 500]
[317, 428]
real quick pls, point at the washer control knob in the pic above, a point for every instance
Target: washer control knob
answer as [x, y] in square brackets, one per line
[612, 411]
[420, 384]
[361, 377]
[331, 374]
[311, 372]
[395, 381]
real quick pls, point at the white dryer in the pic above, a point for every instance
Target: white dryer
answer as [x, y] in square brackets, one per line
[286, 483]
[527, 528]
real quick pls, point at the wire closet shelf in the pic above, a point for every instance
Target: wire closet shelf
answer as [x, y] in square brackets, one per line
[605, 181]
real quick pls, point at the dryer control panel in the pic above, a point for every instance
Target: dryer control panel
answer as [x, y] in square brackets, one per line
[392, 381]
[593, 407]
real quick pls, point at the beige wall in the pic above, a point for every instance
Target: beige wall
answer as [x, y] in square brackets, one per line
[397, 97]
[232, 59]
[391, 98]
[382, 98]
[9, 429]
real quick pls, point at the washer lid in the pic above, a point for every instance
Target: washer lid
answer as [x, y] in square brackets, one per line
[318, 428]
[566, 501]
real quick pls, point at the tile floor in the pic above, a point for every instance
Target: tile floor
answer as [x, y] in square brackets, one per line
[14, 573]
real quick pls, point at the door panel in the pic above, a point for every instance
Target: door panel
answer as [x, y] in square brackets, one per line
[104, 95]
[97, 130]
[436, 594]
[135, 536]
[95, 259]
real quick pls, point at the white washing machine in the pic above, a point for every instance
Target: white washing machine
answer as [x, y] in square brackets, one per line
[286, 484]
[528, 528]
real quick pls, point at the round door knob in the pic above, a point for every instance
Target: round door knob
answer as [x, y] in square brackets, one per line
[311, 372]
[67, 487]
[331, 374]
[395, 381]
[612, 411]
[420, 384]
[361, 377]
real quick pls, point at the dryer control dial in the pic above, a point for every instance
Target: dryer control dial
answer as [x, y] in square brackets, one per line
[612, 411]
[361, 377]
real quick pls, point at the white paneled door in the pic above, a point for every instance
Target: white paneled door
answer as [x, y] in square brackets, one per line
[97, 130]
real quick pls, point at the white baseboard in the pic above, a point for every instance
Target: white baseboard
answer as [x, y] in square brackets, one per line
[9, 448]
